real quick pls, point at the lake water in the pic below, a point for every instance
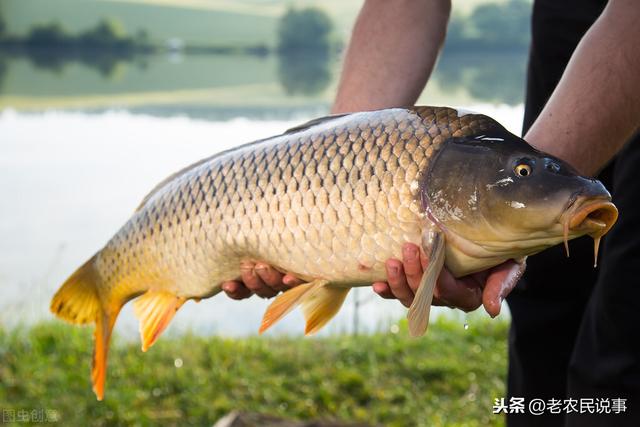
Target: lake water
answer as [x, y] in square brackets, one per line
[81, 148]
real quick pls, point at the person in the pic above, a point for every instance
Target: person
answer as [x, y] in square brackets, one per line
[573, 333]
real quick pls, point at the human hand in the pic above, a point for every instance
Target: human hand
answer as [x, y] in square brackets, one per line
[488, 288]
[467, 293]
[260, 279]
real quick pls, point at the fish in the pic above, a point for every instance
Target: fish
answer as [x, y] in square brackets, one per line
[330, 201]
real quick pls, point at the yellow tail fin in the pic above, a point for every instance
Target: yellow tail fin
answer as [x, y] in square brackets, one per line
[101, 338]
[155, 309]
[78, 302]
[319, 304]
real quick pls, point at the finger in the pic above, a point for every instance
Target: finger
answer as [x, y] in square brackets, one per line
[236, 290]
[398, 282]
[255, 284]
[270, 277]
[500, 282]
[412, 266]
[464, 294]
[290, 281]
[383, 289]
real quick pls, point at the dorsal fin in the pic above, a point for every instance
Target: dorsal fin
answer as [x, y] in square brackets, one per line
[299, 128]
[174, 175]
[314, 122]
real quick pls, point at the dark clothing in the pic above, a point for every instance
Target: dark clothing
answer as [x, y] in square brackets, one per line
[574, 331]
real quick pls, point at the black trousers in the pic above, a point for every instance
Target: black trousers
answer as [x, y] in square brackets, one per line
[574, 331]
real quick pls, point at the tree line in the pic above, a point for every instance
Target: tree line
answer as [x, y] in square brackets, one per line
[107, 34]
[306, 42]
[488, 26]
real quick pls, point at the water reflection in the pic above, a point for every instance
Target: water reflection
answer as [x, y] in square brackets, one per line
[181, 84]
[105, 64]
[489, 77]
[3, 72]
[304, 73]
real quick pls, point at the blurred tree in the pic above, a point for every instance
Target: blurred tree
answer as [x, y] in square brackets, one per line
[106, 64]
[305, 29]
[48, 34]
[44, 58]
[450, 69]
[496, 26]
[107, 33]
[491, 76]
[499, 80]
[501, 24]
[3, 72]
[304, 45]
[3, 25]
[304, 72]
[456, 31]
[142, 38]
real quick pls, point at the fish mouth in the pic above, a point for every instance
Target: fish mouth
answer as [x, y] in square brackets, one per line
[592, 217]
[595, 217]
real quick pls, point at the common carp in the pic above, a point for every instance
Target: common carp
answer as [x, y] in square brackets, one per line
[329, 201]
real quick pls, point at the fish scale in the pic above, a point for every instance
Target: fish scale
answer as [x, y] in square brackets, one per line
[331, 201]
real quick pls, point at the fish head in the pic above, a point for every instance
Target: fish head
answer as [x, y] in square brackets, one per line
[498, 198]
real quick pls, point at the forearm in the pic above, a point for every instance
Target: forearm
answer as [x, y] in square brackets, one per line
[595, 108]
[393, 49]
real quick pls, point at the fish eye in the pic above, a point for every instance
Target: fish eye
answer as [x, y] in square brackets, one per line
[523, 168]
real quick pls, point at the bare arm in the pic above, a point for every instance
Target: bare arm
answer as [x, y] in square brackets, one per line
[393, 48]
[595, 108]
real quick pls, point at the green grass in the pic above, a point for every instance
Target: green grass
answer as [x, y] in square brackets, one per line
[449, 377]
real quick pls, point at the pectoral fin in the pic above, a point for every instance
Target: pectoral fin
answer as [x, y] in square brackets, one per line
[418, 316]
[155, 309]
[319, 302]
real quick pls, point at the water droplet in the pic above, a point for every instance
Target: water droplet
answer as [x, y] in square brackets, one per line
[177, 363]
[466, 325]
